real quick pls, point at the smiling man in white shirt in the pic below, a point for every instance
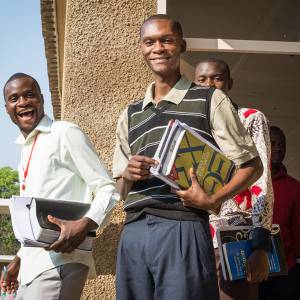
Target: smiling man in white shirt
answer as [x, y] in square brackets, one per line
[57, 162]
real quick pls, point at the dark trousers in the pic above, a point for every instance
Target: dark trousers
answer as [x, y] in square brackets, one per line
[166, 259]
[281, 287]
[237, 289]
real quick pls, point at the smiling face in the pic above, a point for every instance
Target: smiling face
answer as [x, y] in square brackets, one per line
[213, 74]
[161, 47]
[24, 103]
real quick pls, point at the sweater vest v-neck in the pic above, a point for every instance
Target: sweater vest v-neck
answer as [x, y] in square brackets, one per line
[145, 129]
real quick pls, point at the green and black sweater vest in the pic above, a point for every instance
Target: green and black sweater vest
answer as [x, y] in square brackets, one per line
[145, 129]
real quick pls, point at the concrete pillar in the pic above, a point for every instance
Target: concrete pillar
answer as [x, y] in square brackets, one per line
[103, 71]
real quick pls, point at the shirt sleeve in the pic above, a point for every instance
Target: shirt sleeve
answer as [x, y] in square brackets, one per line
[122, 152]
[295, 222]
[228, 131]
[262, 197]
[88, 166]
[262, 190]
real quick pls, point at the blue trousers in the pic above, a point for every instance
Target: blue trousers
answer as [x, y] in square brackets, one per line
[166, 259]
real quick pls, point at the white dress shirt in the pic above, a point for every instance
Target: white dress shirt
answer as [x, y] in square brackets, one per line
[63, 166]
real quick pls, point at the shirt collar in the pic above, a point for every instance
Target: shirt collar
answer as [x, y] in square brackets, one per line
[175, 95]
[43, 126]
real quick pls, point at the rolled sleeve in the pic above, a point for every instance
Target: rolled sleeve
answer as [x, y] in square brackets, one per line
[122, 152]
[88, 166]
[105, 199]
[228, 131]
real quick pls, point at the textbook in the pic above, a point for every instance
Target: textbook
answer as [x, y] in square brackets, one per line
[30, 223]
[235, 247]
[182, 148]
[236, 254]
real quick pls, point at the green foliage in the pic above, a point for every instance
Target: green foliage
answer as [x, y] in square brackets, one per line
[9, 183]
[9, 186]
[8, 243]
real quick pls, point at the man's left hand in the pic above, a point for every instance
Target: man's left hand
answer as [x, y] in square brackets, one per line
[195, 196]
[257, 267]
[72, 233]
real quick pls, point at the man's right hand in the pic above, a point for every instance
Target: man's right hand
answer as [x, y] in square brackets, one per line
[10, 283]
[138, 168]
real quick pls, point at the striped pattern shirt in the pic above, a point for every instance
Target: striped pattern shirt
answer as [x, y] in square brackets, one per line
[145, 129]
[208, 111]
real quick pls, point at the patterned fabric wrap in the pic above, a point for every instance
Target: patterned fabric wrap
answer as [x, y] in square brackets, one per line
[254, 206]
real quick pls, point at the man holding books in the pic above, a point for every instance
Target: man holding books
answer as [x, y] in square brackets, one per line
[57, 162]
[254, 206]
[165, 251]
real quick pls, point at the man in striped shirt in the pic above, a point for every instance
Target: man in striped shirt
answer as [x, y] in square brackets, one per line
[165, 251]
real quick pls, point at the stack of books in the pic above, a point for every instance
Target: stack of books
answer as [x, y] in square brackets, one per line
[182, 148]
[234, 244]
[30, 223]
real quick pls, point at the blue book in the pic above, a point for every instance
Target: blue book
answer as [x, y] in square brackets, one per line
[236, 254]
[237, 234]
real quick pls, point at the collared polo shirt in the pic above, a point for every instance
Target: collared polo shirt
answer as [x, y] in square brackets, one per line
[226, 128]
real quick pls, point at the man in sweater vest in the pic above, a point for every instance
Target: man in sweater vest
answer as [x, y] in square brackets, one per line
[166, 251]
[254, 206]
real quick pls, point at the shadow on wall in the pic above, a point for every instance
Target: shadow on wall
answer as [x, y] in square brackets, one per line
[105, 249]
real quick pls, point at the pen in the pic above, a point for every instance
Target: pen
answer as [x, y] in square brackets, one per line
[4, 274]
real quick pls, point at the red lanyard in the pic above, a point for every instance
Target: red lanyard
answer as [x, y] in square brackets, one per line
[25, 172]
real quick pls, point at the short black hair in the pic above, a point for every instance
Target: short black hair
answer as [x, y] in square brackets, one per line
[176, 26]
[218, 61]
[21, 75]
[279, 131]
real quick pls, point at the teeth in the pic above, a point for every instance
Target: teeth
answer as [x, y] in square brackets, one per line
[25, 111]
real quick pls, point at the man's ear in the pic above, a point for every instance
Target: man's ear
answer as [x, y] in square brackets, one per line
[42, 98]
[183, 46]
[230, 84]
[5, 107]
